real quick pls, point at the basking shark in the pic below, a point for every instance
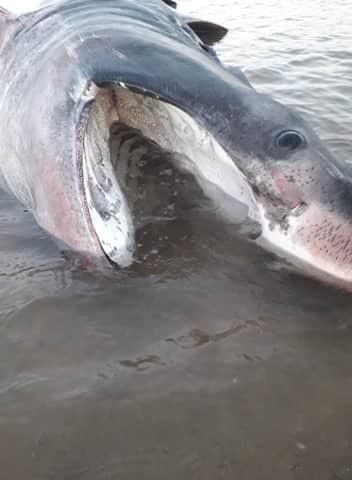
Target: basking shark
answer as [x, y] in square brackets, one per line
[83, 80]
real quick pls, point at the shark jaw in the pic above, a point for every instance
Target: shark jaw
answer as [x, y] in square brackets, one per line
[193, 149]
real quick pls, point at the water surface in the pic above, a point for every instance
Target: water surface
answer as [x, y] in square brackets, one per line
[205, 360]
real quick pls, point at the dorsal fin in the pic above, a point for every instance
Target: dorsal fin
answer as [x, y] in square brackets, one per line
[208, 32]
[170, 3]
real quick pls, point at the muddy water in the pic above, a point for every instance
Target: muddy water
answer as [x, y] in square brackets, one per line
[205, 360]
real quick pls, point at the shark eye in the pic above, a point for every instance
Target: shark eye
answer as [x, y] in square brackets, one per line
[290, 140]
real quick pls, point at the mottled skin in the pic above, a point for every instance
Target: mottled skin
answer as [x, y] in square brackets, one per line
[49, 59]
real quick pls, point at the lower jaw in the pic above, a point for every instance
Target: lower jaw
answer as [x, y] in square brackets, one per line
[106, 203]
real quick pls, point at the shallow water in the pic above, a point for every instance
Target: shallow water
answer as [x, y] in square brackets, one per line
[204, 360]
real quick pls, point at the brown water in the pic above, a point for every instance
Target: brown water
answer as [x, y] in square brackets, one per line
[204, 361]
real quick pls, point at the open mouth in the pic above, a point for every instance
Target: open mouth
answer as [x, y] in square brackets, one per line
[126, 131]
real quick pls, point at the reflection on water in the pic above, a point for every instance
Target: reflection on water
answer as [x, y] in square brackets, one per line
[206, 360]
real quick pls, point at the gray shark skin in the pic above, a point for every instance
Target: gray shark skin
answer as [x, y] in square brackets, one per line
[72, 70]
